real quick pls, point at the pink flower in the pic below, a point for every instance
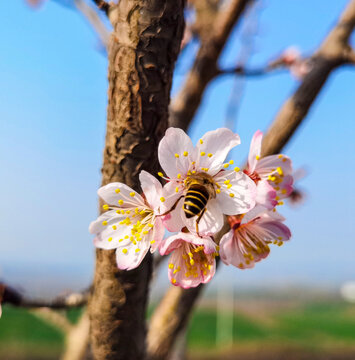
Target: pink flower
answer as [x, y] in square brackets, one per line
[248, 240]
[131, 225]
[229, 191]
[299, 67]
[272, 174]
[192, 259]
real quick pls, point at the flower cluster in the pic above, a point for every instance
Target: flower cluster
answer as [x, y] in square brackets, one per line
[201, 189]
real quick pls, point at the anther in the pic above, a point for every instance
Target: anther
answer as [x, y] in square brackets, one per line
[117, 191]
[125, 251]
[104, 223]
[177, 155]
[162, 199]
[257, 157]
[202, 153]
[201, 141]
[225, 166]
[236, 169]
[109, 239]
[160, 174]
[120, 202]
[231, 162]
[185, 153]
[231, 195]
[105, 207]
[132, 193]
[209, 155]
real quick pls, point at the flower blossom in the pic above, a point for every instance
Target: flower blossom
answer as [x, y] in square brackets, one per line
[131, 225]
[248, 240]
[230, 191]
[192, 259]
[272, 174]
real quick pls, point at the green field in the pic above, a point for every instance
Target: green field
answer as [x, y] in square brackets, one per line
[316, 327]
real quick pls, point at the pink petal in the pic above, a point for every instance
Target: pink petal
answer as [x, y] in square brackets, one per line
[254, 151]
[174, 142]
[269, 165]
[218, 143]
[266, 195]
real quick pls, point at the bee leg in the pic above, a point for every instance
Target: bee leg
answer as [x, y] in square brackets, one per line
[173, 207]
[198, 220]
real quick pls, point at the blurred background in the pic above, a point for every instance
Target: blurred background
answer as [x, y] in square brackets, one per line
[53, 68]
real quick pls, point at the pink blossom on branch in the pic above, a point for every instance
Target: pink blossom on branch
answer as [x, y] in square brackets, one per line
[272, 174]
[192, 259]
[132, 225]
[248, 240]
[227, 191]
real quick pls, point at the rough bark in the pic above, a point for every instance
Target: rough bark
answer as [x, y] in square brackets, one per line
[333, 52]
[142, 53]
[204, 69]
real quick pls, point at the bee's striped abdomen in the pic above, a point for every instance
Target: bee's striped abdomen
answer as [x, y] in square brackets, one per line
[195, 200]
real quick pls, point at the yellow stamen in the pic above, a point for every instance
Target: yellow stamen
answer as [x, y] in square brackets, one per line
[231, 162]
[185, 153]
[162, 199]
[177, 155]
[132, 194]
[225, 166]
[236, 169]
[117, 191]
[114, 227]
[120, 202]
[201, 141]
[160, 174]
[109, 239]
[125, 251]
[104, 223]
[257, 157]
[202, 153]
[231, 195]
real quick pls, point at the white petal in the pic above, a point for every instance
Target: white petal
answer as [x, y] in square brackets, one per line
[156, 235]
[211, 222]
[112, 238]
[151, 187]
[175, 143]
[114, 192]
[255, 149]
[243, 192]
[218, 143]
[131, 256]
[110, 216]
[173, 220]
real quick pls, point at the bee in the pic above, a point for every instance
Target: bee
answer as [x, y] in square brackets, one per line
[200, 189]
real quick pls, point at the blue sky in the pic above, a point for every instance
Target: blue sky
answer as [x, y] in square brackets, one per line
[53, 107]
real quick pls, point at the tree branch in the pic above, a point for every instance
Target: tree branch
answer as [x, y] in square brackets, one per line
[204, 69]
[331, 55]
[13, 297]
[94, 19]
[172, 315]
[103, 5]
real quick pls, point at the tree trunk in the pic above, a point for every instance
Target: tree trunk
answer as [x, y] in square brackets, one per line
[142, 52]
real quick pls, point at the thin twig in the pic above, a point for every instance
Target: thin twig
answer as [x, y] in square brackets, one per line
[13, 297]
[103, 5]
